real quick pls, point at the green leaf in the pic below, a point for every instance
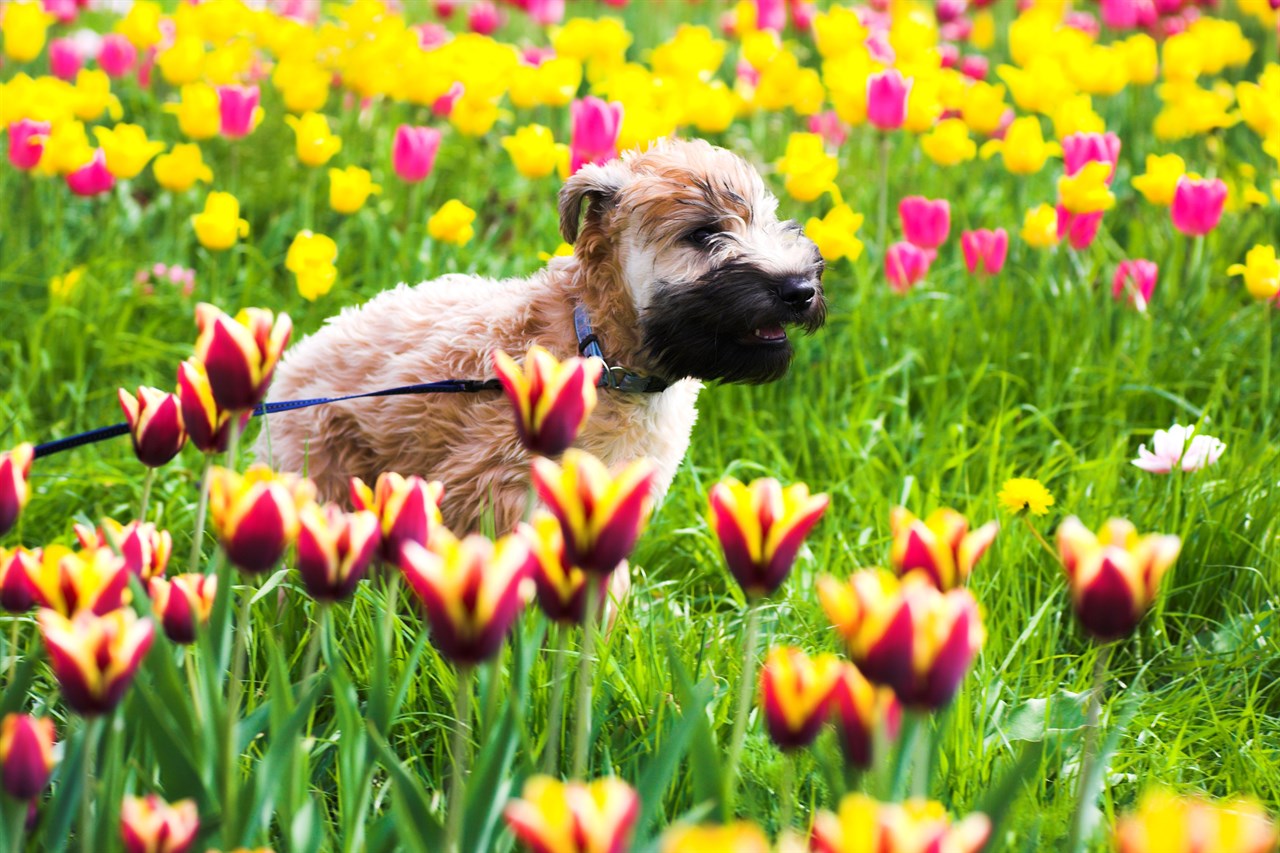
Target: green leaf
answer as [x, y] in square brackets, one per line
[489, 786]
[667, 752]
[705, 757]
[415, 825]
[19, 690]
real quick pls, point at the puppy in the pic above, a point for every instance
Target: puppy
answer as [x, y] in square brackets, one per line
[686, 274]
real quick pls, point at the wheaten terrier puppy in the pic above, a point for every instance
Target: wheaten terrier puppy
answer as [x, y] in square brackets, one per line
[686, 274]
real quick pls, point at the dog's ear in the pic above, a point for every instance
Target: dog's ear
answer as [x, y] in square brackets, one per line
[599, 185]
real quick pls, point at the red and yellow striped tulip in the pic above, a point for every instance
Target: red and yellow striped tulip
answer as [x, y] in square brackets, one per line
[1165, 823]
[600, 514]
[561, 587]
[864, 825]
[552, 398]
[472, 590]
[574, 817]
[71, 581]
[240, 353]
[145, 549]
[740, 837]
[862, 710]
[26, 754]
[15, 465]
[761, 528]
[941, 546]
[905, 634]
[150, 825]
[795, 694]
[183, 604]
[17, 579]
[95, 657]
[408, 510]
[1114, 576]
[334, 549]
[155, 424]
[256, 514]
[208, 426]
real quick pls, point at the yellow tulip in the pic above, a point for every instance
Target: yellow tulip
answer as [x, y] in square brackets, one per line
[197, 111]
[311, 259]
[474, 115]
[350, 188]
[25, 26]
[183, 61]
[93, 96]
[452, 223]
[181, 168]
[533, 151]
[219, 225]
[1161, 178]
[127, 149]
[836, 233]
[316, 143]
[1261, 271]
[303, 84]
[984, 107]
[809, 171]
[66, 149]
[949, 143]
[1040, 227]
[1087, 191]
[141, 25]
[1023, 148]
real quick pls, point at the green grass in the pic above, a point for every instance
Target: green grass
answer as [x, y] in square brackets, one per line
[928, 399]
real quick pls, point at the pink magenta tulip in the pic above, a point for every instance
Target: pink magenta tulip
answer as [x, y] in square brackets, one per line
[985, 249]
[1078, 228]
[64, 60]
[975, 67]
[545, 12]
[887, 99]
[1197, 205]
[802, 15]
[1081, 148]
[925, 222]
[237, 105]
[413, 154]
[771, 15]
[596, 125]
[445, 8]
[484, 18]
[1119, 14]
[117, 55]
[92, 178]
[26, 142]
[1134, 282]
[443, 105]
[64, 10]
[905, 264]
[829, 127]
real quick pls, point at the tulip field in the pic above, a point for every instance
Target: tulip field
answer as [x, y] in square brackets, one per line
[995, 566]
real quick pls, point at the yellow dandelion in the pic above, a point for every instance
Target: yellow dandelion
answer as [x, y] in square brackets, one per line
[1025, 494]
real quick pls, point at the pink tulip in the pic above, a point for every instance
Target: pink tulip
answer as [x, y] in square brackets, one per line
[1120, 14]
[117, 55]
[1079, 229]
[431, 35]
[445, 8]
[93, 178]
[64, 10]
[237, 105]
[545, 12]
[802, 14]
[948, 55]
[484, 18]
[947, 11]
[974, 67]
[771, 15]
[146, 66]
[986, 249]
[1078, 149]
[905, 264]
[887, 99]
[596, 125]
[443, 106]
[829, 127]
[413, 154]
[26, 142]
[1082, 21]
[1197, 205]
[64, 60]
[1134, 281]
[925, 222]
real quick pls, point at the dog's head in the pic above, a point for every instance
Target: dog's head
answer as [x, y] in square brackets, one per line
[714, 276]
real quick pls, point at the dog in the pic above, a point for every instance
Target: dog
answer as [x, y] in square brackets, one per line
[686, 275]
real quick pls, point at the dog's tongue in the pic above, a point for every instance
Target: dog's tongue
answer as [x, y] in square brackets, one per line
[770, 333]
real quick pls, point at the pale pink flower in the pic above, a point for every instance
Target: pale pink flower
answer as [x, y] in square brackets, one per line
[117, 55]
[1079, 149]
[905, 264]
[1134, 281]
[1176, 447]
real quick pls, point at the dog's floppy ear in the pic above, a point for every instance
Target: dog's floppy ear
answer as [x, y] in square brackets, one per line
[599, 185]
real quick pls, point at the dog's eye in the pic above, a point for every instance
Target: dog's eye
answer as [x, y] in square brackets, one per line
[701, 237]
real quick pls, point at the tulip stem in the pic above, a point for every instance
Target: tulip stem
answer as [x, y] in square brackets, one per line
[1040, 538]
[234, 690]
[788, 791]
[461, 751]
[146, 493]
[17, 817]
[555, 711]
[1087, 788]
[92, 730]
[882, 220]
[13, 648]
[746, 692]
[202, 512]
[1264, 403]
[317, 640]
[582, 719]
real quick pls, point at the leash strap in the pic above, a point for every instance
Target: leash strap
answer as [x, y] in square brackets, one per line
[618, 378]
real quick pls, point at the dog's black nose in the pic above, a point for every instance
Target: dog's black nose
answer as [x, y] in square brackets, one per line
[797, 291]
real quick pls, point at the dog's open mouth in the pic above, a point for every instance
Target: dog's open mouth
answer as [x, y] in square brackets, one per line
[767, 335]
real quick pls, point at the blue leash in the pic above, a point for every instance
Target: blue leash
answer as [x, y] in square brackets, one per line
[588, 345]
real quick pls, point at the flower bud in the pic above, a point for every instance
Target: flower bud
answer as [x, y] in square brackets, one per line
[574, 817]
[862, 824]
[552, 398]
[334, 549]
[240, 353]
[796, 693]
[15, 465]
[144, 548]
[761, 528]
[256, 514]
[95, 657]
[150, 825]
[26, 754]
[155, 424]
[941, 547]
[69, 581]
[183, 604]
[408, 510]
[862, 710]
[17, 585]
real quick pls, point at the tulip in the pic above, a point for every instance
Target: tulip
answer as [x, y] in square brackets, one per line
[861, 712]
[1086, 190]
[93, 178]
[483, 17]
[316, 143]
[208, 426]
[17, 585]
[574, 817]
[836, 233]
[1114, 576]
[15, 466]
[144, 549]
[68, 582]
[829, 127]
[334, 549]
[452, 223]
[1160, 181]
[117, 55]
[1261, 271]
[905, 264]
[182, 64]
[941, 547]
[350, 188]
[256, 514]
[533, 151]
[155, 424]
[150, 825]
[862, 824]
[596, 126]
[808, 169]
[311, 259]
[1197, 204]
[408, 510]
[95, 657]
[180, 169]
[472, 590]
[905, 634]
[26, 755]
[127, 149]
[141, 25]
[985, 249]
[796, 693]
[25, 26]
[1170, 449]
[1079, 149]
[601, 515]
[552, 399]
[238, 110]
[949, 144]
[925, 223]
[887, 93]
[183, 604]
[219, 225]
[761, 528]
[1080, 229]
[240, 353]
[413, 154]
[1135, 281]
[303, 84]
[1040, 227]
[443, 106]
[1164, 823]
[26, 143]
[561, 587]
[1023, 149]
[740, 837]
[197, 110]
[65, 61]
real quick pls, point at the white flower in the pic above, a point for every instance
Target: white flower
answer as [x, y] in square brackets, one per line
[1171, 449]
